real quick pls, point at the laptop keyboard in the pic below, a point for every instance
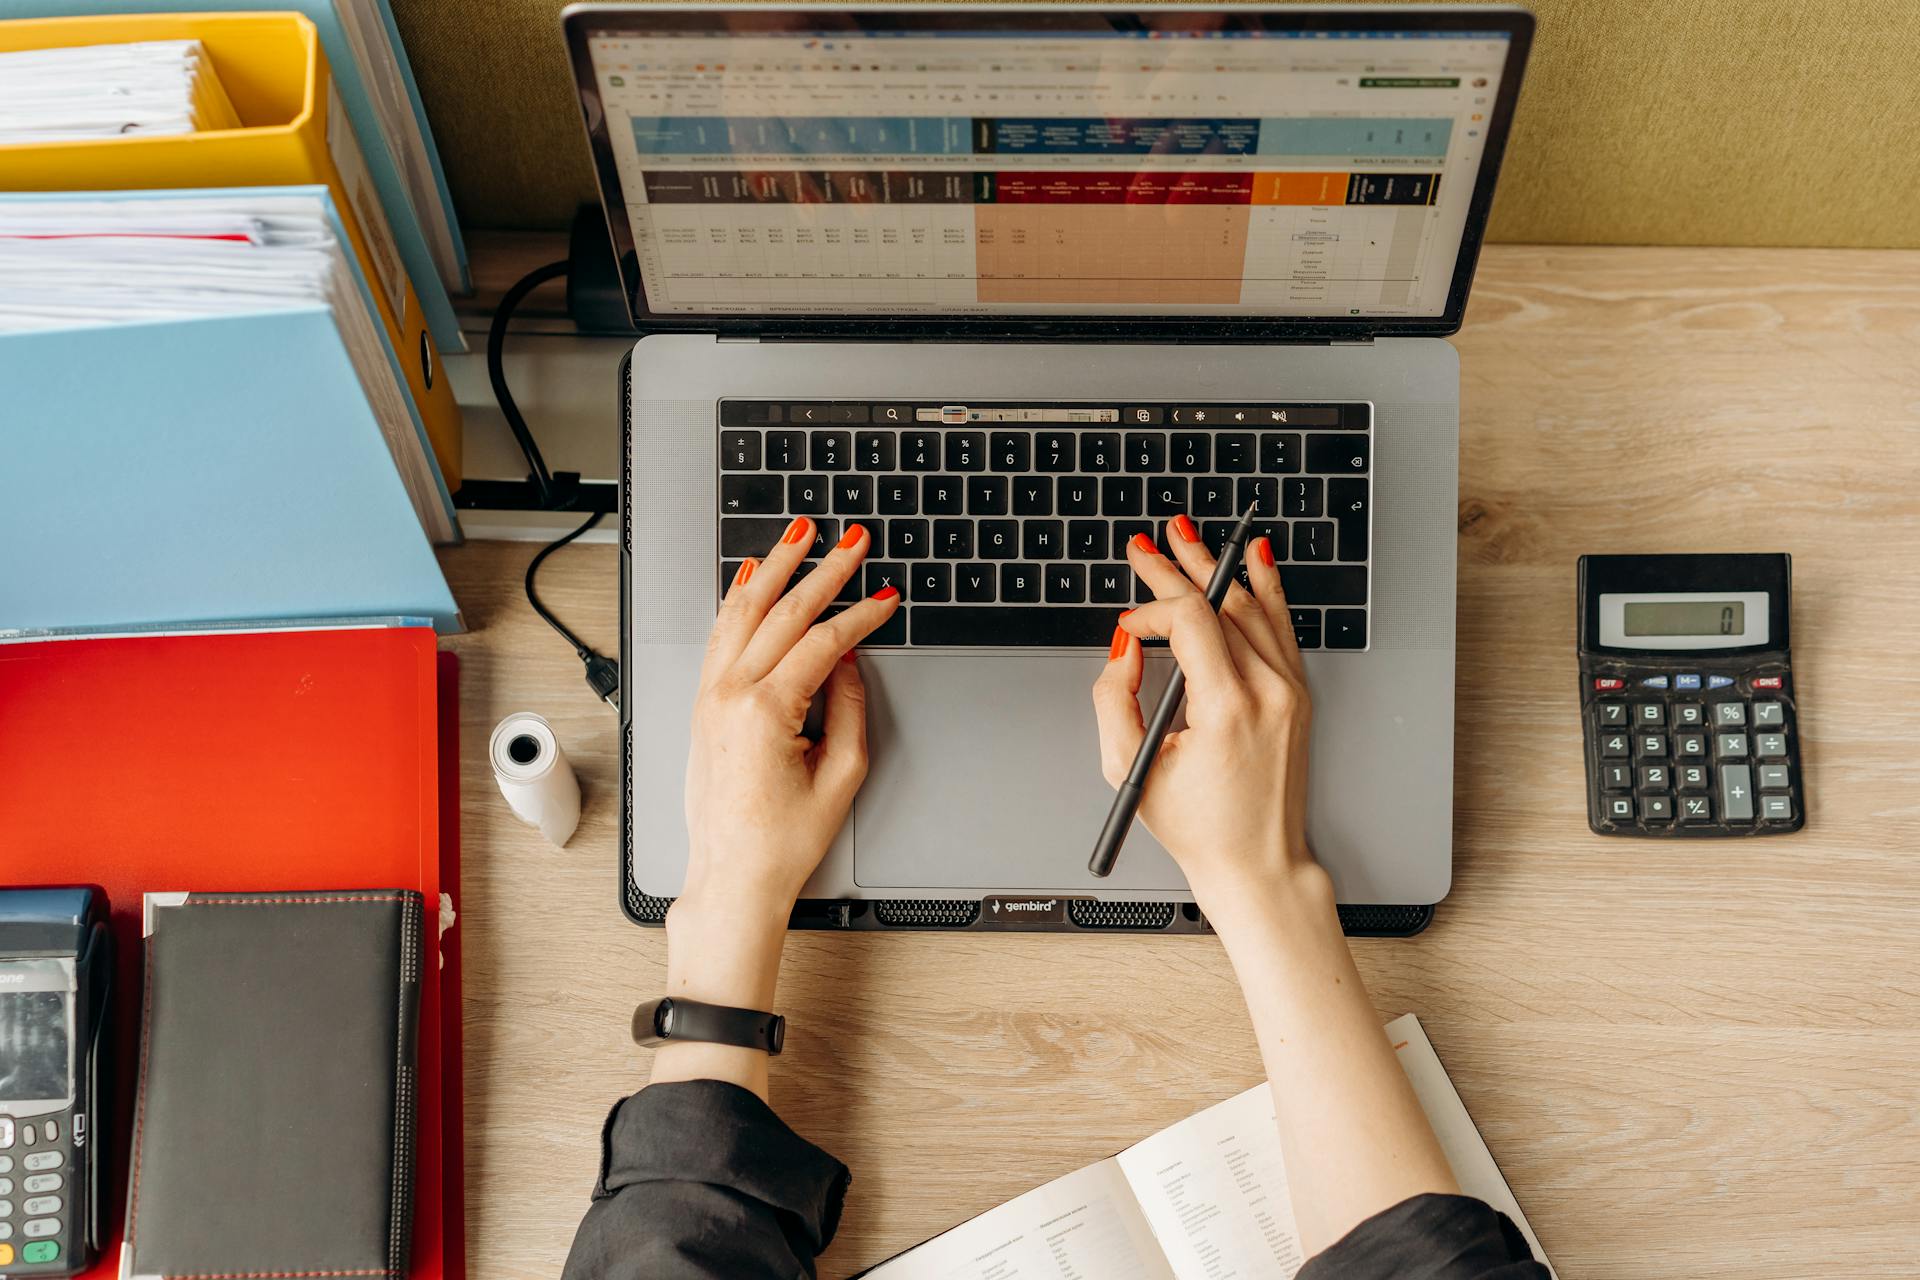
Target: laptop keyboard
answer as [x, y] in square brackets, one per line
[1006, 524]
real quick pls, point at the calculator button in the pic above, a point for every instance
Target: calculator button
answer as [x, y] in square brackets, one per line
[1613, 714]
[6, 1132]
[1653, 777]
[51, 1130]
[1771, 745]
[37, 1183]
[1730, 744]
[1620, 809]
[1774, 808]
[29, 1134]
[1614, 744]
[1688, 681]
[6, 1188]
[1729, 714]
[1736, 793]
[6, 1208]
[1606, 683]
[1657, 808]
[1767, 682]
[1616, 777]
[40, 1160]
[1719, 682]
[1773, 777]
[1695, 809]
[1689, 715]
[6, 1250]
[1690, 744]
[6, 1164]
[39, 1228]
[1649, 715]
[41, 1204]
[1653, 682]
[1650, 744]
[41, 1251]
[1769, 715]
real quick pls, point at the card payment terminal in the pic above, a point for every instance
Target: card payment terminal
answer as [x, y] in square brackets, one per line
[55, 969]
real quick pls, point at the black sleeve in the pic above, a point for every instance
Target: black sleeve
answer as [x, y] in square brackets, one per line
[1429, 1238]
[699, 1179]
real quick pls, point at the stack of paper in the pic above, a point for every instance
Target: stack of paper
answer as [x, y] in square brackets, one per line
[106, 91]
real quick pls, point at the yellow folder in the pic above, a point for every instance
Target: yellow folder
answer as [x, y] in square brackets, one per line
[293, 130]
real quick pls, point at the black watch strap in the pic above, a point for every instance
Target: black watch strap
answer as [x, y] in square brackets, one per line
[659, 1021]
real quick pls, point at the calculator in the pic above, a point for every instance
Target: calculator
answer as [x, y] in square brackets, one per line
[1686, 696]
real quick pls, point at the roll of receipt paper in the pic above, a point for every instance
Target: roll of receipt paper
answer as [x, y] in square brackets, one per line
[535, 777]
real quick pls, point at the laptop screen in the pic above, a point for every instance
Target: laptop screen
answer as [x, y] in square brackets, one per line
[1019, 164]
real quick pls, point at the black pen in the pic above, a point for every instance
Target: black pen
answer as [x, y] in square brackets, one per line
[1127, 800]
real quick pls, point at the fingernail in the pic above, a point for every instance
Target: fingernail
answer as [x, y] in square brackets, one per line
[852, 535]
[1119, 646]
[886, 593]
[1144, 543]
[744, 572]
[1184, 527]
[1263, 549]
[797, 531]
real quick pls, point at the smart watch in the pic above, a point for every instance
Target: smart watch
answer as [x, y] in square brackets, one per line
[659, 1021]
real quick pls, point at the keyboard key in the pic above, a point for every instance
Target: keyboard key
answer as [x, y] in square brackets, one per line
[1612, 715]
[999, 539]
[1214, 534]
[1260, 494]
[1313, 540]
[1079, 496]
[942, 496]
[1323, 584]
[1053, 451]
[853, 495]
[1043, 540]
[1057, 625]
[1692, 777]
[1237, 453]
[1121, 495]
[986, 495]
[899, 496]
[1067, 584]
[786, 450]
[1087, 539]
[973, 583]
[1346, 629]
[739, 450]
[1302, 497]
[1307, 635]
[893, 415]
[1142, 415]
[751, 495]
[1146, 452]
[1695, 809]
[1099, 451]
[907, 539]
[1166, 495]
[1191, 452]
[1341, 455]
[756, 535]
[1019, 583]
[1212, 496]
[809, 413]
[932, 581]
[953, 539]
[919, 451]
[881, 574]
[1011, 450]
[873, 450]
[1776, 808]
[1279, 452]
[1650, 715]
[1653, 777]
[1032, 496]
[1736, 793]
[1350, 506]
[1656, 808]
[1616, 777]
[830, 451]
[966, 451]
[847, 413]
[807, 495]
[1109, 583]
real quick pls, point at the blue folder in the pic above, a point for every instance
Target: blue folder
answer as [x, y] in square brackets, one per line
[349, 78]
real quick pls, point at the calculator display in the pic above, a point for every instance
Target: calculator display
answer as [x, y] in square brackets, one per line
[35, 1049]
[1686, 618]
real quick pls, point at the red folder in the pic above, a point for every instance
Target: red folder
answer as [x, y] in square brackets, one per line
[265, 760]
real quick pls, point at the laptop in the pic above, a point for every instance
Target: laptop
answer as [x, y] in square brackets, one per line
[1007, 285]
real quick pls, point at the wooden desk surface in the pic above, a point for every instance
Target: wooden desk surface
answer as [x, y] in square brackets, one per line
[1697, 1060]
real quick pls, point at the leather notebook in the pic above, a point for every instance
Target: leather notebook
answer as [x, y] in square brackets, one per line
[273, 1123]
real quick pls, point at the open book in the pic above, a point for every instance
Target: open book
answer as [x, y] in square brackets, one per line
[1204, 1199]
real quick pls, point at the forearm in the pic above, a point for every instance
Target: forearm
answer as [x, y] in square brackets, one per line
[1352, 1132]
[725, 953]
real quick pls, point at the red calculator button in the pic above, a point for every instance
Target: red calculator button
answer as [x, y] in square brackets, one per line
[1609, 682]
[1766, 682]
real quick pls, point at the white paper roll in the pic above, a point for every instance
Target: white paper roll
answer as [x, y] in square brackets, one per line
[535, 777]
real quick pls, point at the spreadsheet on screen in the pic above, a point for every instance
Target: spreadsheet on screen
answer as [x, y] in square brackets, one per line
[1227, 173]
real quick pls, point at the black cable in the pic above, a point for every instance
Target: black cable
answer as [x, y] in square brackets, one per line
[580, 648]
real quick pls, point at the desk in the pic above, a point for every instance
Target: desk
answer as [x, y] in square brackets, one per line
[1691, 1060]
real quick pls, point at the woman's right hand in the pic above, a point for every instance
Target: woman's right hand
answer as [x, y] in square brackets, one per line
[1227, 795]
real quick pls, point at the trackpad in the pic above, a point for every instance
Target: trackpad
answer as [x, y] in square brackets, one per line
[985, 775]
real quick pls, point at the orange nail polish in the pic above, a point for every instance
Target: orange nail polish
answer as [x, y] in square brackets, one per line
[852, 535]
[798, 531]
[886, 593]
[1184, 527]
[744, 572]
[1144, 543]
[1120, 638]
[1263, 549]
